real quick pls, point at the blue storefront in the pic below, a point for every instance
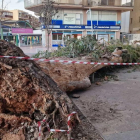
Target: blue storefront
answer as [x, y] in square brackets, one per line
[77, 31]
[77, 23]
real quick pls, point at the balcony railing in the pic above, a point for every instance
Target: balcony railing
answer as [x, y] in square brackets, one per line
[23, 16]
[127, 3]
[31, 3]
[74, 2]
[111, 3]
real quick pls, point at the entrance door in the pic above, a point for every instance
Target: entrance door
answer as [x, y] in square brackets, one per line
[102, 38]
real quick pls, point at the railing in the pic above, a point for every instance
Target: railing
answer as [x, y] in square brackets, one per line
[111, 3]
[74, 2]
[30, 3]
[23, 16]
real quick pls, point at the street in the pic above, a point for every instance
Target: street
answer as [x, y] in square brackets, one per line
[114, 106]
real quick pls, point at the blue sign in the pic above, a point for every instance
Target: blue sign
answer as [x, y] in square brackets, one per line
[82, 27]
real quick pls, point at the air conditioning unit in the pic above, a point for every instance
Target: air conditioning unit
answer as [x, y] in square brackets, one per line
[92, 3]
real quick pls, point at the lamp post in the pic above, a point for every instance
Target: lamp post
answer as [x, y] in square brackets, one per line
[89, 11]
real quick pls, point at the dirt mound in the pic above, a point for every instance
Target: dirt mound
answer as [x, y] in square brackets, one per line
[29, 95]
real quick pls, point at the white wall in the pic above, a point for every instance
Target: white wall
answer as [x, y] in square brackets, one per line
[125, 22]
[44, 34]
[37, 32]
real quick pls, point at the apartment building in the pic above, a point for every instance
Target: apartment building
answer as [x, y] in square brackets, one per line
[19, 15]
[135, 18]
[6, 15]
[75, 20]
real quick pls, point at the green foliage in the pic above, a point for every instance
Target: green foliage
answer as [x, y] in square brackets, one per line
[44, 54]
[88, 46]
[133, 54]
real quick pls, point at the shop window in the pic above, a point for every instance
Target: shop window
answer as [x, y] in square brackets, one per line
[54, 36]
[57, 36]
[107, 16]
[73, 18]
[60, 37]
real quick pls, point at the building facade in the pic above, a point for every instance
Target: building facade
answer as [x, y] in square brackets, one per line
[74, 20]
[19, 15]
[6, 15]
[135, 18]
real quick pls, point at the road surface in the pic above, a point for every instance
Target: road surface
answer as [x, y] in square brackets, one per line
[114, 106]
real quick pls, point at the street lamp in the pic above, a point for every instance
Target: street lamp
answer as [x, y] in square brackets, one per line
[90, 19]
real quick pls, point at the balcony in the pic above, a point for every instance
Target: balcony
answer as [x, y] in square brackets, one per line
[111, 4]
[6, 15]
[84, 4]
[24, 16]
[32, 3]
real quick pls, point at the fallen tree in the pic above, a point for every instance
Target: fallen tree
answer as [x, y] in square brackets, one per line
[28, 95]
[70, 77]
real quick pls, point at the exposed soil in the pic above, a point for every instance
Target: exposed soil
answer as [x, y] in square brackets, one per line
[28, 95]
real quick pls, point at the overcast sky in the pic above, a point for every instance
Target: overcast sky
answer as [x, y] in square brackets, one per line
[14, 4]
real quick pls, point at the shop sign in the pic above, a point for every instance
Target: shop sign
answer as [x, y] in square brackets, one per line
[82, 27]
[22, 31]
[101, 27]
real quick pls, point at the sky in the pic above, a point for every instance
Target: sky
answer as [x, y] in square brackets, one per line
[15, 4]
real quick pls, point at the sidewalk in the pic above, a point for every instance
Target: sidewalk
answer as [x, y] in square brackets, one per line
[32, 50]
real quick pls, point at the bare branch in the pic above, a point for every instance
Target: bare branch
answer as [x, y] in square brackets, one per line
[6, 5]
[47, 13]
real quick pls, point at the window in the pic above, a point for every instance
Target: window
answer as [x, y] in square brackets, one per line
[104, 2]
[57, 36]
[107, 16]
[73, 18]
[103, 16]
[54, 36]
[60, 37]
[111, 2]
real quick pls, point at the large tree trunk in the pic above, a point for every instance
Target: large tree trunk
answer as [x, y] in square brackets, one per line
[27, 95]
[70, 77]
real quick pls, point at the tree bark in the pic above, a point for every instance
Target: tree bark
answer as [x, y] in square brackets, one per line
[70, 77]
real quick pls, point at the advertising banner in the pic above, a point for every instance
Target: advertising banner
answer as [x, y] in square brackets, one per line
[22, 31]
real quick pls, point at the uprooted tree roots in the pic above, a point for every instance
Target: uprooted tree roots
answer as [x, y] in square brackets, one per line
[28, 95]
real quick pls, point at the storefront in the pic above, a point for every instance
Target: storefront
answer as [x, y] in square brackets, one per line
[59, 32]
[59, 35]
